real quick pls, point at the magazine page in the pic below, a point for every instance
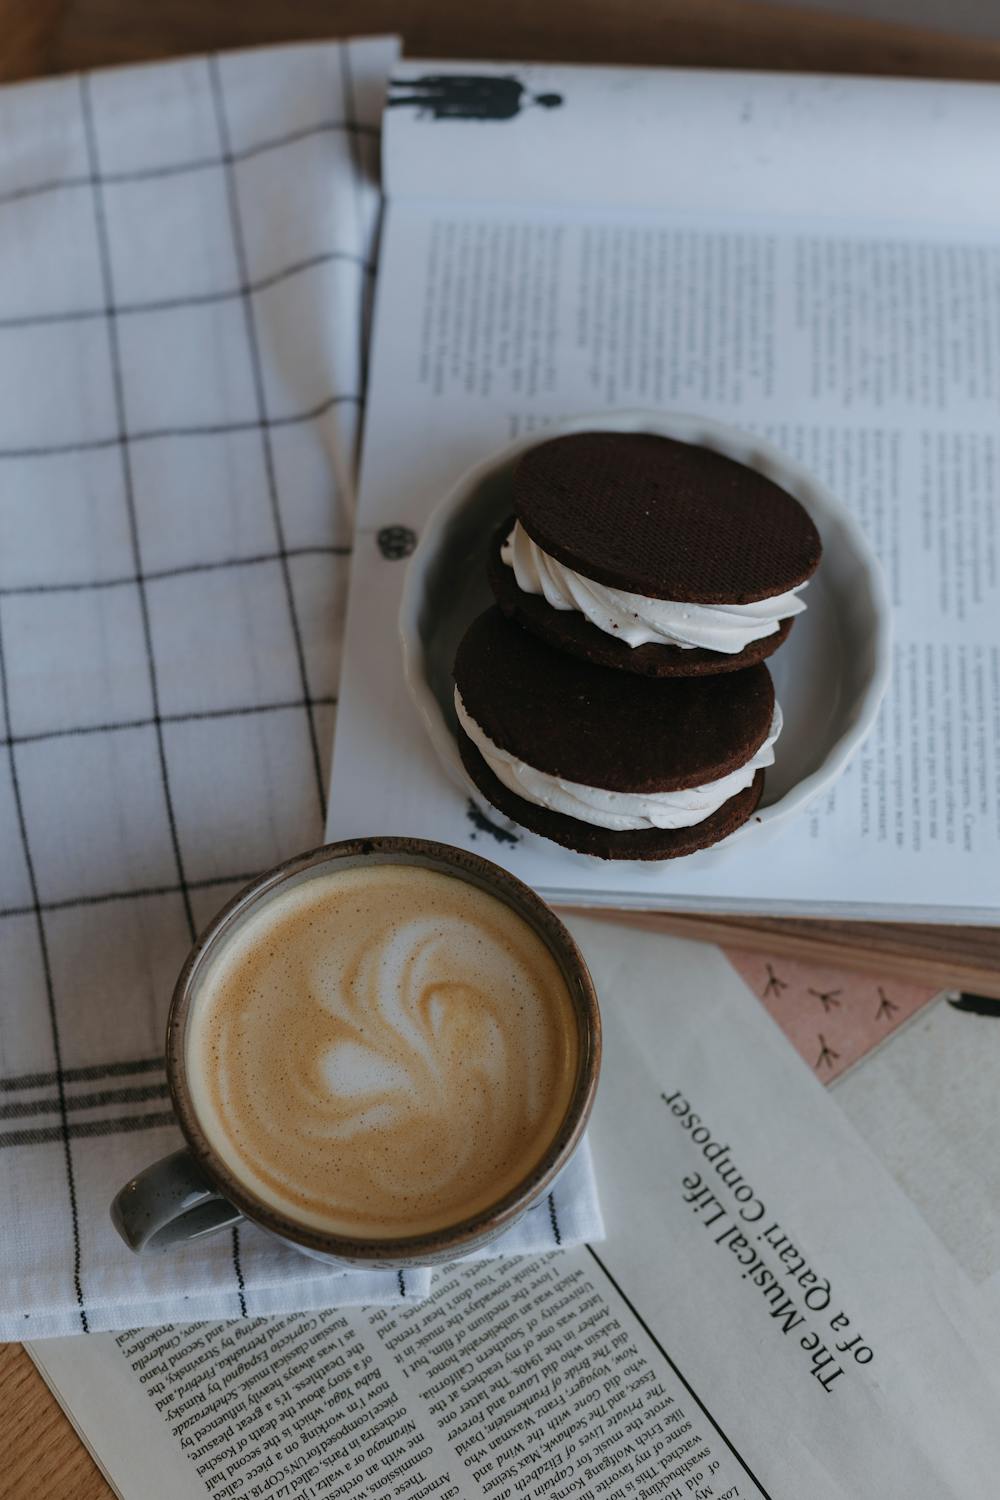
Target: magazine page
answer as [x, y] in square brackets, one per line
[866, 347]
[769, 1314]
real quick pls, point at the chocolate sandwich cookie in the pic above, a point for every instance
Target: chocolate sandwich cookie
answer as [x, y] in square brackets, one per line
[604, 762]
[652, 555]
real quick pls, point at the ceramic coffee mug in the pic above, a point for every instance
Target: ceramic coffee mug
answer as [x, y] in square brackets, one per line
[196, 1192]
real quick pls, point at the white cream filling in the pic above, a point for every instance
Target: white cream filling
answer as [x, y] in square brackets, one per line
[638, 620]
[618, 811]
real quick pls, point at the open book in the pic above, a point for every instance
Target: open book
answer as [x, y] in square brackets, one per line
[814, 259]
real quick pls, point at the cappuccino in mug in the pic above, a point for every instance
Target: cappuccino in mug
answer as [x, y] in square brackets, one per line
[381, 1051]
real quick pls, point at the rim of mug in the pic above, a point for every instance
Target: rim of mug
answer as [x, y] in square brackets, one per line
[453, 1239]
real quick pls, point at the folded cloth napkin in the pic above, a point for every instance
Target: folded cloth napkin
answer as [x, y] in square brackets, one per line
[185, 259]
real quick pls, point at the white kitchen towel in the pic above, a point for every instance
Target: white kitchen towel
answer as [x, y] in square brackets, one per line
[186, 253]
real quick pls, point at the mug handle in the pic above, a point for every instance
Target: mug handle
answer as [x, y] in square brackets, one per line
[170, 1203]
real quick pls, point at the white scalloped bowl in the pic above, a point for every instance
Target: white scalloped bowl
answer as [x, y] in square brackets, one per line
[830, 676]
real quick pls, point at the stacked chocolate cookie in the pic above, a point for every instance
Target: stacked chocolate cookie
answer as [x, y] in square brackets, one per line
[616, 700]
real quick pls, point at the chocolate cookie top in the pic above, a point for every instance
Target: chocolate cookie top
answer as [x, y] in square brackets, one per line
[663, 518]
[605, 728]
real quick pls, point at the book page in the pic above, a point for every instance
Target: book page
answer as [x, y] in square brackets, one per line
[708, 141]
[760, 1321]
[868, 350]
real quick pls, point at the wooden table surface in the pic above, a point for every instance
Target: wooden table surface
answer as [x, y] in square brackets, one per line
[40, 1455]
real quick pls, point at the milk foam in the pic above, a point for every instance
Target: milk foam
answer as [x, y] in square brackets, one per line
[382, 1051]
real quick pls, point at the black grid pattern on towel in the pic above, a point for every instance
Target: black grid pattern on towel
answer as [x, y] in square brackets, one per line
[145, 174]
[69, 1097]
[267, 450]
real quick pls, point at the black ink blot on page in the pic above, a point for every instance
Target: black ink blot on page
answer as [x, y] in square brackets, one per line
[482, 824]
[396, 542]
[467, 96]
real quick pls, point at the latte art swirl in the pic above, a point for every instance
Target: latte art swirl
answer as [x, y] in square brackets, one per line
[382, 1051]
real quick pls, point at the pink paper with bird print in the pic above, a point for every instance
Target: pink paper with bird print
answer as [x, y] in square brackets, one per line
[833, 1017]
